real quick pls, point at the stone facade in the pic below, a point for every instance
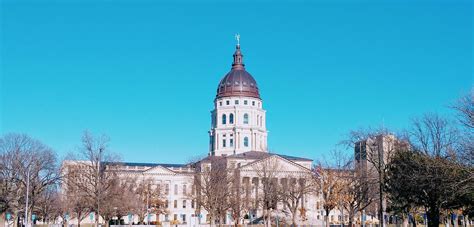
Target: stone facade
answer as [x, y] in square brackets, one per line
[238, 135]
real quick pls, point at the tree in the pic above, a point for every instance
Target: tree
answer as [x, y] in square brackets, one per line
[49, 205]
[329, 181]
[213, 185]
[417, 179]
[267, 170]
[428, 174]
[96, 176]
[465, 109]
[150, 198]
[355, 193]
[465, 113]
[293, 190]
[374, 149]
[239, 199]
[27, 167]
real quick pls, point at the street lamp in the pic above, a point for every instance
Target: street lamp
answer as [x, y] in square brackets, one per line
[27, 194]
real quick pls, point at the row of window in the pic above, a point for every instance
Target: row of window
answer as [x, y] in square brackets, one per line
[231, 142]
[236, 102]
[175, 204]
[175, 218]
[231, 119]
[339, 217]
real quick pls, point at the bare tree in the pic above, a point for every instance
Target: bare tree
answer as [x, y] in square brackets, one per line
[465, 110]
[150, 198]
[97, 176]
[329, 181]
[374, 149]
[355, 194]
[434, 135]
[213, 185]
[293, 190]
[49, 207]
[239, 199]
[267, 170]
[28, 167]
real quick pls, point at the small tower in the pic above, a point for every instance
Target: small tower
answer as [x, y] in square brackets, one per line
[238, 118]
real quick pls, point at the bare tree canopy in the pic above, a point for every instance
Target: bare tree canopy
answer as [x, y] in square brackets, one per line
[434, 136]
[268, 170]
[293, 190]
[465, 108]
[213, 185]
[330, 174]
[93, 176]
[24, 160]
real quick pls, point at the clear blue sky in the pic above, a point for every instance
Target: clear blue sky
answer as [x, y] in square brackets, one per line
[145, 72]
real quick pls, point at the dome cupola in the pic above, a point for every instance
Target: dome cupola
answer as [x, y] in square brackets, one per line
[238, 82]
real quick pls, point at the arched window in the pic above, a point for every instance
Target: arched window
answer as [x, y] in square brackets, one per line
[246, 118]
[231, 119]
[246, 141]
[224, 119]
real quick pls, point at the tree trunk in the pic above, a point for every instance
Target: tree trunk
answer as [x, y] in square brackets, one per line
[405, 221]
[326, 219]
[269, 216]
[433, 216]
[96, 219]
[293, 219]
[351, 218]
[211, 220]
[79, 214]
[381, 218]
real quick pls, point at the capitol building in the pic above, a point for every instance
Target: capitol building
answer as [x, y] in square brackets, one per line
[237, 142]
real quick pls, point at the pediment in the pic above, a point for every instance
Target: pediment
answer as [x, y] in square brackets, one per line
[275, 163]
[159, 170]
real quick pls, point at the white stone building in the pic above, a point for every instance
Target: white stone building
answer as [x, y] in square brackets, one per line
[238, 135]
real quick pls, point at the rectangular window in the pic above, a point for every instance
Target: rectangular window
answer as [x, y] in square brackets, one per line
[245, 102]
[227, 102]
[223, 143]
[176, 204]
[184, 189]
[175, 189]
[220, 103]
[166, 204]
[253, 103]
[183, 217]
[175, 217]
[184, 203]
[167, 189]
[236, 102]
[192, 204]
[231, 142]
